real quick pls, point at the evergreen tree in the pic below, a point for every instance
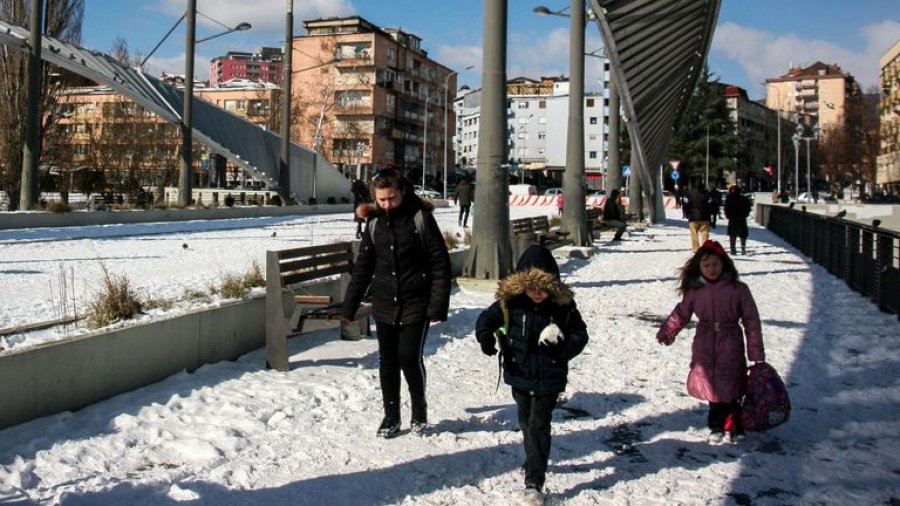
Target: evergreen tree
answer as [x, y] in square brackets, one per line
[707, 111]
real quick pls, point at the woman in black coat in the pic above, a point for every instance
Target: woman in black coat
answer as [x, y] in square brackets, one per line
[405, 260]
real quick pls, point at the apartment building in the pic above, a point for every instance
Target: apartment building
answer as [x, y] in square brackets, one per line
[887, 174]
[364, 96]
[537, 123]
[817, 94]
[265, 65]
[102, 132]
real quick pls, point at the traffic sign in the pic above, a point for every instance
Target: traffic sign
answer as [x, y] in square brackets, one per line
[675, 175]
[626, 170]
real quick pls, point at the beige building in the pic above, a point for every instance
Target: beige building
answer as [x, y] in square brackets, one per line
[819, 94]
[364, 96]
[100, 131]
[887, 174]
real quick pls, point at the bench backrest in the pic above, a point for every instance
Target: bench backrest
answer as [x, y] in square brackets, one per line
[521, 225]
[540, 224]
[292, 267]
[593, 213]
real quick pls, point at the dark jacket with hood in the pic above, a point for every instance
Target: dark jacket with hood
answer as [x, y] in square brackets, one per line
[528, 366]
[698, 207]
[409, 276]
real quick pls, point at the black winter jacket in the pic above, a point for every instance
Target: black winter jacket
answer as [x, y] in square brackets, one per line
[527, 365]
[409, 276]
[698, 207]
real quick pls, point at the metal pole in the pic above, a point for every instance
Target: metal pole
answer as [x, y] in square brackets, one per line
[29, 189]
[808, 177]
[796, 140]
[573, 212]
[446, 90]
[185, 176]
[425, 142]
[613, 169]
[707, 157]
[284, 173]
[778, 119]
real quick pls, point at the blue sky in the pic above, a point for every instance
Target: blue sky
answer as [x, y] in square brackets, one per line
[754, 39]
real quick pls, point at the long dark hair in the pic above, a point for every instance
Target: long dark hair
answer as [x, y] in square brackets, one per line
[690, 271]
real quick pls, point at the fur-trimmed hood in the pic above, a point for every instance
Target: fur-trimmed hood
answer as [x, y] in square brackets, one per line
[515, 284]
[366, 211]
[536, 269]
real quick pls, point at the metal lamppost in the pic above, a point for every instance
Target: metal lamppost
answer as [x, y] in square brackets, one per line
[573, 212]
[185, 170]
[284, 175]
[446, 91]
[815, 135]
[29, 194]
[425, 141]
[798, 134]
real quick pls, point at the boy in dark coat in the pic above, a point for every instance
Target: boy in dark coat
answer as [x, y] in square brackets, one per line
[539, 329]
[463, 197]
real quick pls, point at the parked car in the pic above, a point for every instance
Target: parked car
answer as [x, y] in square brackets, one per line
[427, 192]
[809, 198]
[553, 192]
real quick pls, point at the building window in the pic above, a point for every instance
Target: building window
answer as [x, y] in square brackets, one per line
[593, 120]
[542, 104]
[592, 155]
[542, 120]
[523, 105]
[590, 102]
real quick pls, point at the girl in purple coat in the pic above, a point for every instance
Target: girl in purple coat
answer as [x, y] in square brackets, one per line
[710, 289]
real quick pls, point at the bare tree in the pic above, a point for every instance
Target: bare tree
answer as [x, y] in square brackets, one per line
[62, 20]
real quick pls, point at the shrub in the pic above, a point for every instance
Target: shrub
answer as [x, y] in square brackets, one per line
[554, 221]
[56, 206]
[450, 240]
[229, 200]
[115, 302]
[159, 303]
[467, 238]
[235, 286]
[330, 200]
[312, 201]
[275, 200]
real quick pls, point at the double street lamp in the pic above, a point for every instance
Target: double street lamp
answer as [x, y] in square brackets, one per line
[796, 138]
[446, 107]
[185, 172]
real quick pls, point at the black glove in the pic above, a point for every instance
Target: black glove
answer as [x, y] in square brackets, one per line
[488, 347]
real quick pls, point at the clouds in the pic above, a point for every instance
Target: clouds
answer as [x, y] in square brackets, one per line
[762, 54]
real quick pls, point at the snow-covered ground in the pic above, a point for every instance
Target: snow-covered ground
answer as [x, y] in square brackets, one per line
[627, 434]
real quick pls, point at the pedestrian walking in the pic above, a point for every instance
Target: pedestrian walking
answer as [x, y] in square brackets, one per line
[696, 207]
[538, 329]
[737, 209]
[404, 258]
[710, 289]
[361, 197]
[463, 197]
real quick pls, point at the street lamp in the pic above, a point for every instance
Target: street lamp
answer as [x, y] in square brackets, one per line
[425, 140]
[446, 90]
[185, 190]
[573, 212]
[798, 134]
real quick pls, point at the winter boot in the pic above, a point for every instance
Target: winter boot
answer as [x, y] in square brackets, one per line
[419, 421]
[390, 425]
[532, 497]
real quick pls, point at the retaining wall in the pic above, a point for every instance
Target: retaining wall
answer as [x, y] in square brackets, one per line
[77, 372]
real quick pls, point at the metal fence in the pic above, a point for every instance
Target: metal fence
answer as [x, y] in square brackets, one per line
[867, 258]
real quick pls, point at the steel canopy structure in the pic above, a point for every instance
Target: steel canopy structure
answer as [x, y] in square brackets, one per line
[253, 149]
[657, 50]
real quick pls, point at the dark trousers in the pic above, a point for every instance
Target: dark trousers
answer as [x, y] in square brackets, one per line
[535, 413]
[725, 416]
[400, 349]
[733, 239]
[464, 214]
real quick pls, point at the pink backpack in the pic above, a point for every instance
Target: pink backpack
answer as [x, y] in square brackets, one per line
[766, 401]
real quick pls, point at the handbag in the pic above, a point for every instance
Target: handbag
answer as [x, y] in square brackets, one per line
[766, 403]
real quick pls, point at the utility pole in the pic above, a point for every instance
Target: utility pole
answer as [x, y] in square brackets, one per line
[573, 219]
[31, 154]
[490, 256]
[185, 175]
[284, 173]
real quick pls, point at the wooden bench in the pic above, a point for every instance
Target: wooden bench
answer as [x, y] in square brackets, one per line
[290, 272]
[541, 227]
[536, 230]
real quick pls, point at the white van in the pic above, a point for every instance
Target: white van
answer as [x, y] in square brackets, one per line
[524, 190]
